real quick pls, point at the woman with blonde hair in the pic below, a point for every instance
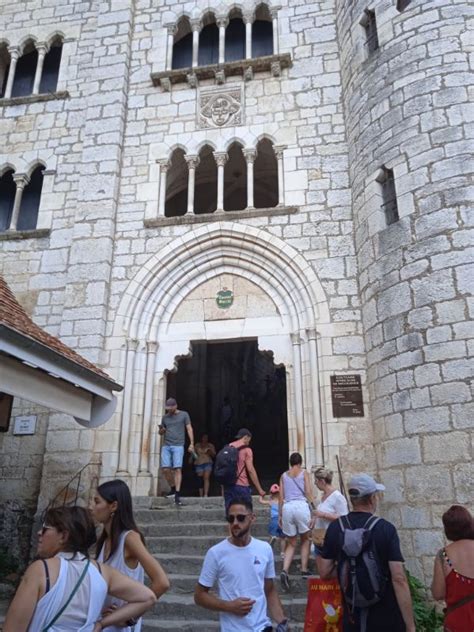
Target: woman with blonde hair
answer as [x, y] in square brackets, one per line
[331, 506]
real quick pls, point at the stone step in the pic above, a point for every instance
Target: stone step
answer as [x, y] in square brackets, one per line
[185, 584]
[205, 625]
[172, 606]
[172, 514]
[218, 528]
[213, 502]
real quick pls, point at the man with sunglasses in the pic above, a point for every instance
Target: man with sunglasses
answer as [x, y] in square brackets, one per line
[243, 569]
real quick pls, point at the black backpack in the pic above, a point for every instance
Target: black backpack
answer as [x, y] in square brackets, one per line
[361, 575]
[225, 465]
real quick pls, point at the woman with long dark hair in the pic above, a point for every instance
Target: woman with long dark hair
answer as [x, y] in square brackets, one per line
[121, 545]
[65, 590]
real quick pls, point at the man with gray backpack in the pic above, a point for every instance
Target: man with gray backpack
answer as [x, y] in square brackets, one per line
[363, 551]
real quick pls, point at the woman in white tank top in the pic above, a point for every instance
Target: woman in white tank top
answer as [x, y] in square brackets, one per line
[66, 591]
[121, 545]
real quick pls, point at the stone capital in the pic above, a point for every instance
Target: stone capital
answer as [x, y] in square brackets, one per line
[14, 52]
[250, 154]
[274, 13]
[192, 161]
[295, 338]
[279, 149]
[222, 22]
[164, 164]
[132, 344]
[21, 180]
[152, 346]
[172, 29]
[311, 333]
[42, 48]
[248, 17]
[221, 158]
[196, 25]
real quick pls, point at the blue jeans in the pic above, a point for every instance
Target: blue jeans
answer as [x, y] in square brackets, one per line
[172, 456]
[236, 491]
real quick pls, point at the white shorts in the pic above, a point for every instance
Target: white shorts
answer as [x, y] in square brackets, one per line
[296, 517]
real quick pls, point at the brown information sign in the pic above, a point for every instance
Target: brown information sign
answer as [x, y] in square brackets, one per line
[346, 393]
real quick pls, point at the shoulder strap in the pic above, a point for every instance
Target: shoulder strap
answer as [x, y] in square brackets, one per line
[299, 486]
[46, 570]
[73, 592]
[458, 604]
[372, 524]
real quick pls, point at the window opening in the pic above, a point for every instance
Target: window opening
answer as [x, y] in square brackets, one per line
[4, 68]
[7, 199]
[183, 46]
[205, 191]
[265, 172]
[402, 4]
[370, 26]
[235, 179]
[208, 45]
[25, 72]
[389, 196]
[30, 201]
[52, 62]
[262, 32]
[177, 185]
[235, 40]
[6, 404]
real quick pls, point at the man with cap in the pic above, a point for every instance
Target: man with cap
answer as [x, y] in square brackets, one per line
[173, 425]
[394, 611]
[245, 470]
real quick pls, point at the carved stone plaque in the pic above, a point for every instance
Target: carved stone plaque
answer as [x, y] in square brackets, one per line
[220, 107]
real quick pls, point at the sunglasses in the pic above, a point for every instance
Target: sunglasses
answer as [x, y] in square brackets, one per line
[237, 518]
[45, 527]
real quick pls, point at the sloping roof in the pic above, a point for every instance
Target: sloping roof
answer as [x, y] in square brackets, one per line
[13, 316]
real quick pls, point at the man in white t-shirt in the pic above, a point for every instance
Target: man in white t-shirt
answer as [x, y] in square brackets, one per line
[243, 569]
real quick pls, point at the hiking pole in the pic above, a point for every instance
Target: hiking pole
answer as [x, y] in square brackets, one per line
[341, 480]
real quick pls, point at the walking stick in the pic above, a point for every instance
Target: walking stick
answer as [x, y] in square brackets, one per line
[341, 480]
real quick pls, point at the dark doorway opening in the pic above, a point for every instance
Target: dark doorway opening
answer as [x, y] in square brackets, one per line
[228, 385]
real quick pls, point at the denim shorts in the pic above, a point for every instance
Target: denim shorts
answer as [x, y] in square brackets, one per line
[172, 456]
[204, 467]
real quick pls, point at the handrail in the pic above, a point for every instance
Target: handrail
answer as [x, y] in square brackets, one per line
[76, 479]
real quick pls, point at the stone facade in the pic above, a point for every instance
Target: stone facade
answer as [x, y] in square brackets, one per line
[322, 281]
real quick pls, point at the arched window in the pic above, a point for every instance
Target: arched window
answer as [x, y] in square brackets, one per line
[235, 38]
[25, 71]
[176, 185]
[205, 192]
[265, 171]
[262, 32]
[208, 41]
[235, 179]
[183, 45]
[30, 201]
[7, 198]
[52, 61]
[4, 67]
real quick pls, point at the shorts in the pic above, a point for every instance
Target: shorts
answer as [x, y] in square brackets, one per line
[172, 456]
[204, 467]
[296, 518]
[273, 528]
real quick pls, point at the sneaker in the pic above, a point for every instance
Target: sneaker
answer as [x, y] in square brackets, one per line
[306, 574]
[171, 493]
[179, 502]
[285, 581]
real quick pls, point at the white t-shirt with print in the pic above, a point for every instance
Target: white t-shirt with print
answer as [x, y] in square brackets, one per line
[335, 503]
[240, 571]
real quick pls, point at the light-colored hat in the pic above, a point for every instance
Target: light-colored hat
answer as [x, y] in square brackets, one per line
[363, 485]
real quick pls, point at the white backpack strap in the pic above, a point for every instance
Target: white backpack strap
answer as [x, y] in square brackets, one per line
[373, 523]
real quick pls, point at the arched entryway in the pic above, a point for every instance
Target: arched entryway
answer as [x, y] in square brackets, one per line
[277, 301]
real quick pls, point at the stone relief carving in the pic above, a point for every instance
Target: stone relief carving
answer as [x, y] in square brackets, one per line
[220, 108]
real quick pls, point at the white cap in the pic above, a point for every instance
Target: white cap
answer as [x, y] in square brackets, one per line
[363, 485]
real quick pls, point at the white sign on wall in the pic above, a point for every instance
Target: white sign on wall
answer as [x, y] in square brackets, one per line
[25, 425]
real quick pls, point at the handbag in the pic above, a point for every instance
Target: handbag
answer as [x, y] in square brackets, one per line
[318, 537]
[73, 592]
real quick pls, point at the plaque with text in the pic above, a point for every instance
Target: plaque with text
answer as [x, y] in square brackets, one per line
[346, 395]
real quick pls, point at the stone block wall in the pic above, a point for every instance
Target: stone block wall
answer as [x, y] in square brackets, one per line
[406, 108]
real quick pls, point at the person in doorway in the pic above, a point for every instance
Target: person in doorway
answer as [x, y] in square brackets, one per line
[204, 453]
[296, 497]
[331, 506]
[243, 569]
[453, 578]
[173, 425]
[65, 590]
[121, 545]
[245, 470]
[393, 612]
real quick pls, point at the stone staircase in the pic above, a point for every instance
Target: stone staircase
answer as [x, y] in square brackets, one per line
[179, 538]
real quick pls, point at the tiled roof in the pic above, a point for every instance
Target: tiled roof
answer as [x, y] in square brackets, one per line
[13, 316]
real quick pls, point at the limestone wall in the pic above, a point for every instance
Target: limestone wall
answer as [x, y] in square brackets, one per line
[407, 108]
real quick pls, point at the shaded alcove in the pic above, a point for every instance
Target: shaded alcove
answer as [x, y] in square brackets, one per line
[235, 38]
[25, 71]
[265, 176]
[7, 198]
[205, 192]
[4, 67]
[208, 42]
[30, 201]
[256, 392]
[183, 45]
[235, 179]
[176, 185]
[262, 32]
[52, 62]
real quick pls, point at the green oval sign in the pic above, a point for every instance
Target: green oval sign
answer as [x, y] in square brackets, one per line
[224, 298]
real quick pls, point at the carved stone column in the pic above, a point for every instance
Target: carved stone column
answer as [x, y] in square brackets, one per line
[298, 392]
[145, 452]
[196, 28]
[316, 422]
[221, 159]
[222, 24]
[274, 16]
[14, 57]
[279, 149]
[248, 21]
[21, 180]
[42, 50]
[132, 346]
[171, 28]
[250, 155]
[193, 162]
[163, 169]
